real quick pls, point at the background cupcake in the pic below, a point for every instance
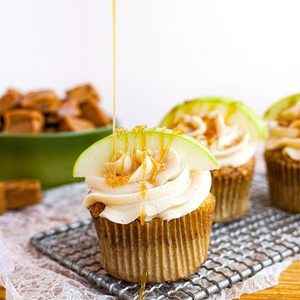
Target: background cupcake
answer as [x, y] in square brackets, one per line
[150, 203]
[283, 153]
[232, 131]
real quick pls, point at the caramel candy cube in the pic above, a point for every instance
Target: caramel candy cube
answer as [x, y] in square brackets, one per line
[44, 101]
[91, 111]
[75, 124]
[83, 93]
[10, 100]
[23, 121]
[2, 198]
[69, 107]
[20, 193]
[52, 119]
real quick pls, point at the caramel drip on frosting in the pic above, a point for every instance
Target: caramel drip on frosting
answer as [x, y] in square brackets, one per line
[135, 130]
[158, 166]
[211, 132]
[162, 138]
[125, 152]
[143, 189]
[113, 179]
[165, 151]
[144, 166]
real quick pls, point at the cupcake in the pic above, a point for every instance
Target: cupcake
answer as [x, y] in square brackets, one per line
[282, 153]
[150, 202]
[232, 131]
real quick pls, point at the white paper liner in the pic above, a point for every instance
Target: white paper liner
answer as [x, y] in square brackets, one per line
[27, 274]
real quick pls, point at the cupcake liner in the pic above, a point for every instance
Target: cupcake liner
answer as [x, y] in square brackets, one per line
[284, 182]
[232, 191]
[166, 250]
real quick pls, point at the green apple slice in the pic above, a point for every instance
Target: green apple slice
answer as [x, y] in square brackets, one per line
[191, 152]
[274, 111]
[234, 112]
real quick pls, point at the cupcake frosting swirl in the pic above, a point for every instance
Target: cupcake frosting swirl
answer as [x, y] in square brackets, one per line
[228, 143]
[284, 133]
[172, 193]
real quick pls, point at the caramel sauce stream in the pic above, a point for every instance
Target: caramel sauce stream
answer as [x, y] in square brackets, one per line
[143, 285]
[143, 188]
[114, 73]
[112, 179]
[144, 166]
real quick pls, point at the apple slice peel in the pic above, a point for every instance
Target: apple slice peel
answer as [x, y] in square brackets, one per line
[191, 152]
[234, 112]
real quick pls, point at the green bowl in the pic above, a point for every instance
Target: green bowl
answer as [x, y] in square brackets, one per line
[48, 157]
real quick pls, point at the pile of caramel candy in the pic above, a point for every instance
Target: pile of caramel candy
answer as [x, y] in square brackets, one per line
[43, 111]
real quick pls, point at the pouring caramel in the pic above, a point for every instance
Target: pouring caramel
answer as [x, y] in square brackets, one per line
[114, 73]
[143, 285]
[112, 178]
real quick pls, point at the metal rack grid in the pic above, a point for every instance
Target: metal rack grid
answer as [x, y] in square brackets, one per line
[240, 249]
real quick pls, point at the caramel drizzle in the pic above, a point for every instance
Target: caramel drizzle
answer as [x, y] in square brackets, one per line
[158, 166]
[162, 138]
[113, 179]
[144, 167]
[211, 132]
[143, 189]
[114, 75]
[143, 285]
[125, 153]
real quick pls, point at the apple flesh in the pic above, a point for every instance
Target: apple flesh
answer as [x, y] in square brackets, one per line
[274, 111]
[191, 152]
[234, 113]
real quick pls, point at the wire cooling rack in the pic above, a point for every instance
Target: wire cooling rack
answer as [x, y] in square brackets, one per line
[240, 249]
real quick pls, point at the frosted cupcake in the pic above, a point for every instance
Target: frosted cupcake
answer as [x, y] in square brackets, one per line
[232, 131]
[283, 153]
[150, 203]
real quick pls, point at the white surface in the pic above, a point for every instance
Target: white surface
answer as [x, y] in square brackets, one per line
[167, 51]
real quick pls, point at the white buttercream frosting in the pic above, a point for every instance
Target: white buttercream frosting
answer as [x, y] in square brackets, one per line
[172, 193]
[229, 145]
[285, 134]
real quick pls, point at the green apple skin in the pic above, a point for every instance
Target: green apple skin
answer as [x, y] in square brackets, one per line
[238, 113]
[274, 111]
[48, 157]
[191, 152]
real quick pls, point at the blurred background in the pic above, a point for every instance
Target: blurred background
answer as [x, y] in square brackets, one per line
[167, 51]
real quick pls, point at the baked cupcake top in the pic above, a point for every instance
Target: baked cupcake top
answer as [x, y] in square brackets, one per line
[228, 128]
[149, 173]
[284, 127]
